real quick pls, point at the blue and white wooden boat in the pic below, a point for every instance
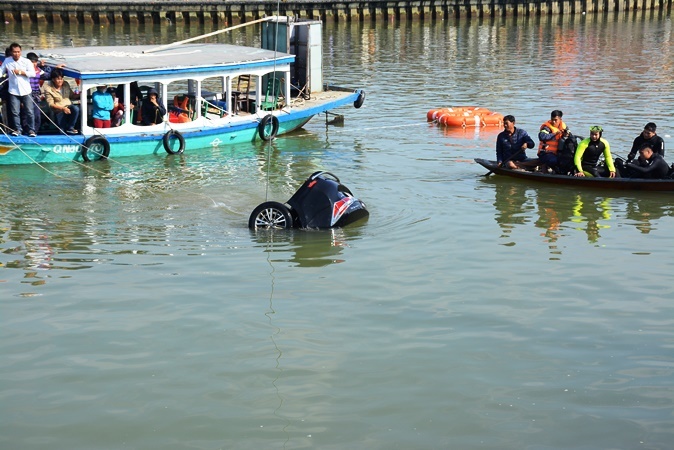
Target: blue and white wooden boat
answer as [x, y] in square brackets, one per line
[236, 95]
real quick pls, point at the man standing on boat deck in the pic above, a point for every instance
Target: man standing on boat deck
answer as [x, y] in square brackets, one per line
[648, 137]
[511, 145]
[19, 70]
[550, 135]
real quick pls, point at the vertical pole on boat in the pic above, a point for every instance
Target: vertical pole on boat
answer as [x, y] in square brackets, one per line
[278, 9]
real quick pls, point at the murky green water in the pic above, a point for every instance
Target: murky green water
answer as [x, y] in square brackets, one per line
[138, 311]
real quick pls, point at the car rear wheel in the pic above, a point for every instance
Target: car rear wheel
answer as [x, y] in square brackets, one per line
[270, 215]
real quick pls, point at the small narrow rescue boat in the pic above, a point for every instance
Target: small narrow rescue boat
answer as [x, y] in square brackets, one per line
[465, 116]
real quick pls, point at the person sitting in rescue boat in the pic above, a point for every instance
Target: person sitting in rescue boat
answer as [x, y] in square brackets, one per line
[648, 165]
[550, 135]
[647, 137]
[511, 145]
[586, 158]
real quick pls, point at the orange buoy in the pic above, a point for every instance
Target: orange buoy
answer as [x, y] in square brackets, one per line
[432, 114]
[493, 119]
[465, 116]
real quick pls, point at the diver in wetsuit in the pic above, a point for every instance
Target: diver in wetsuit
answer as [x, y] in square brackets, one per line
[649, 165]
[647, 137]
[587, 155]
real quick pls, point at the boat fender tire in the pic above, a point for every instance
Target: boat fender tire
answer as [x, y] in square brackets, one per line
[360, 100]
[95, 141]
[167, 142]
[262, 126]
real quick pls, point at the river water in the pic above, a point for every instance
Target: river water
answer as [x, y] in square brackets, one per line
[137, 311]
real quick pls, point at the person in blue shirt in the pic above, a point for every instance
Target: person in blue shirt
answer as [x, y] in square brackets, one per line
[511, 145]
[102, 106]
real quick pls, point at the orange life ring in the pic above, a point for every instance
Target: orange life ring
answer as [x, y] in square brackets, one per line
[465, 116]
[493, 119]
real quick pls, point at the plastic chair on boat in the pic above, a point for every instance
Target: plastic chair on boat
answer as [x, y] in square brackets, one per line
[272, 94]
[219, 108]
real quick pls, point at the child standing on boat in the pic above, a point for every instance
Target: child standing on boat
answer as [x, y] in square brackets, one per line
[103, 104]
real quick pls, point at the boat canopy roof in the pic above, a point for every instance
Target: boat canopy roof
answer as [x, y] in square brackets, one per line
[89, 63]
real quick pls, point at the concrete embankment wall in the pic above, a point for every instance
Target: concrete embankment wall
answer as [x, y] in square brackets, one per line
[240, 11]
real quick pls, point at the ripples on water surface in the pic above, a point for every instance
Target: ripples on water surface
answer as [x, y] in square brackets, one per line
[138, 311]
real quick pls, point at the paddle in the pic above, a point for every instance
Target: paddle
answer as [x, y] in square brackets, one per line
[506, 160]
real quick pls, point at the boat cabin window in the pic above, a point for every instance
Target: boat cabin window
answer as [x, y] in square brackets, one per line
[214, 94]
[181, 100]
[128, 99]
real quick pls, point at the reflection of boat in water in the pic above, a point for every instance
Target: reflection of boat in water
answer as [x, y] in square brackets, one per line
[484, 134]
[222, 94]
[586, 182]
[645, 212]
[511, 202]
[559, 214]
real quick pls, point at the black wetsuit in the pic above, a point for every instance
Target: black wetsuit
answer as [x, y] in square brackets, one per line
[656, 143]
[654, 168]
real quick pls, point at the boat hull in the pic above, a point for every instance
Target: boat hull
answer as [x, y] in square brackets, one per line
[150, 140]
[627, 184]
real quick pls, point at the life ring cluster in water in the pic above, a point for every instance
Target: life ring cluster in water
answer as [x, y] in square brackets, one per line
[465, 116]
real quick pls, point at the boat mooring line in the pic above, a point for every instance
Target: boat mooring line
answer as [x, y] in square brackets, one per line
[387, 127]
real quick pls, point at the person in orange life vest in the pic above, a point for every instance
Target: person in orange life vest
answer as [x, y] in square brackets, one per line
[550, 135]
